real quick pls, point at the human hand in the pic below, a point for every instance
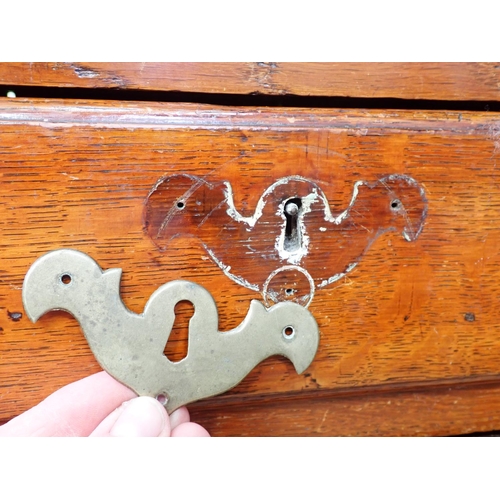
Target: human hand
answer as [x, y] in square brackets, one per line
[100, 406]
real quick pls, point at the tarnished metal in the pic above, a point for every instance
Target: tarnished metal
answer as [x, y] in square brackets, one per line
[130, 346]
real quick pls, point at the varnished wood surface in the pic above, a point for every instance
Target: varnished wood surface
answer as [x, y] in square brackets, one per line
[451, 410]
[443, 81]
[411, 316]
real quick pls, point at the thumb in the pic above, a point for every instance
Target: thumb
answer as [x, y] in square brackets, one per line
[139, 417]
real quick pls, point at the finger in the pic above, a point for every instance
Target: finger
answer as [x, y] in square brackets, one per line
[75, 410]
[189, 429]
[139, 417]
[179, 416]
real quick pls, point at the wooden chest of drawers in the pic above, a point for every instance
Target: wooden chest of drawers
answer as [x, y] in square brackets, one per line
[410, 335]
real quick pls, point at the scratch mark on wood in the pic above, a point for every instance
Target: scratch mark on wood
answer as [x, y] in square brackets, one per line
[82, 72]
[320, 426]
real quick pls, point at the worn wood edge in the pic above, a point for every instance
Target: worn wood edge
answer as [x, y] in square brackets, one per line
[441, 81]
[125, 114]
[427, 411]
[381, 389]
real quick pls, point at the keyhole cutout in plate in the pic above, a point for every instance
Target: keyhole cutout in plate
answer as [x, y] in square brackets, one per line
[176, 348]
[293, 236]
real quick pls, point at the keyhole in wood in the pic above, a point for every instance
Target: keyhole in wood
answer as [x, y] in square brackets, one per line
[293, 238]
[177, 344]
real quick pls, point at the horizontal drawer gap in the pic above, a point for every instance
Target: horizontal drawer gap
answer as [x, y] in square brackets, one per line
[236, 100]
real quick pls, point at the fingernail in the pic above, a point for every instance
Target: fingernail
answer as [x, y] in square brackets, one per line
[141, 417]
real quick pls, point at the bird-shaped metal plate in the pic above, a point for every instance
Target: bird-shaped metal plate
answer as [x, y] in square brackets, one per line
[293, 243]
[130, 346]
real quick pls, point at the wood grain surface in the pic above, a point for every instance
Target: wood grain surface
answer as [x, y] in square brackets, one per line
[450, 410]
[442, 81]
[416, 322]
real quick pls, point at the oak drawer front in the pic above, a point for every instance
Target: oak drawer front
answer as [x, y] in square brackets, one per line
[412, 316]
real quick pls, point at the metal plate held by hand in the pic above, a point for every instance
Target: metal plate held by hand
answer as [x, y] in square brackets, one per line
[130, 346]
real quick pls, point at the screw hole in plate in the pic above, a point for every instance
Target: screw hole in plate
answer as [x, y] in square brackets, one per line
[395, 204]
[289, 332]
[162, 398]
[66, 279]
[180, 205]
